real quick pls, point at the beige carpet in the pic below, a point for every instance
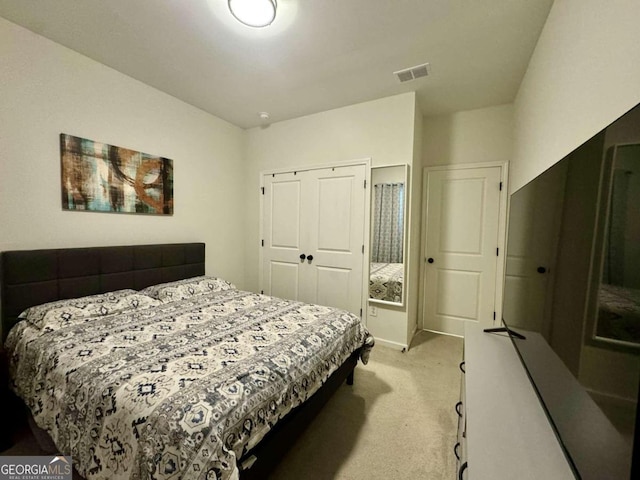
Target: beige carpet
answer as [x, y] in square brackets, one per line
[396, 422]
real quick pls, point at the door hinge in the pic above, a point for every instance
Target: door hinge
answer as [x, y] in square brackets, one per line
[494, 315]
[497, 252]
[500, 186]
[365, 183]
[361, 312]
[262, 292]
[262, 188]
[363, 249]
[262, 242]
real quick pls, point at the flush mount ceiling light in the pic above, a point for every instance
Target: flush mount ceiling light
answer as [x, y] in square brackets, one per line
[254, 13]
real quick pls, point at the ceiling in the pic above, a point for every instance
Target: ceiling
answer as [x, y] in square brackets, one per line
[317, 55]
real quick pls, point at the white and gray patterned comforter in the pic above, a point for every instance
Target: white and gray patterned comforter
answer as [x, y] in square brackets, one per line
[180, 390]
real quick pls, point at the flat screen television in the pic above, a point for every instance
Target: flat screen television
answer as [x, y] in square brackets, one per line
[572, 288]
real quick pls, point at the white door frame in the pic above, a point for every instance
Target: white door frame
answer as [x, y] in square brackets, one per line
[502, 233]
[367, 214]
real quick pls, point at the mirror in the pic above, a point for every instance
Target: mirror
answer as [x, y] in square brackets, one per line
[618, 292]
[388, 233]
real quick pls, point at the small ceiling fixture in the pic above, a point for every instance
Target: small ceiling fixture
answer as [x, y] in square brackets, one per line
[254, 13]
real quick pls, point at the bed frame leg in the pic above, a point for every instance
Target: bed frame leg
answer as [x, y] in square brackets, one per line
[350, 378]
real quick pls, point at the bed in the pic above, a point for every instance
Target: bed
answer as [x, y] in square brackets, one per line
[618, 313]
[385, 281]
[192, 379]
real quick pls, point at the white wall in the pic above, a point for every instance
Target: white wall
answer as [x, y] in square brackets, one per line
[382, 130]
[583, 74]
[471, 136]
[47, 89]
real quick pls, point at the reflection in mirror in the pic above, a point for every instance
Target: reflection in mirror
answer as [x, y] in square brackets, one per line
[618, 313]
[535, 214]
[388, 233]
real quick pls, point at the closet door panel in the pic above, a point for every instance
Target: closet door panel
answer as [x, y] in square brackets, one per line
[336, 209]
[285, 214]
[284, 280]
[332, 286]
[282, 205]
[334, 214]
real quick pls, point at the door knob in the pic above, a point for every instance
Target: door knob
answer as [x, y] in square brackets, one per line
[541, 270]
[310, 258]
[430, 260]
[302, 256]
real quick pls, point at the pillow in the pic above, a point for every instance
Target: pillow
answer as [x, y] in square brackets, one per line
[191, 287]
[66, 312]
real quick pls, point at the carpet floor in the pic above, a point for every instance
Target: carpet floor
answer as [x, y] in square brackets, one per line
[396, 422]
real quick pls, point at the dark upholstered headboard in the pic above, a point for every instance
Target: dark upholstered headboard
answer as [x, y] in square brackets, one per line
[32, 277]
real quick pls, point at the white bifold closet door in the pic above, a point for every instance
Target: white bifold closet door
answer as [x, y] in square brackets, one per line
[313, 236]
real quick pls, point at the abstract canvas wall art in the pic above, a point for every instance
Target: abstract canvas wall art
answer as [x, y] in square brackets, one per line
[104, 178]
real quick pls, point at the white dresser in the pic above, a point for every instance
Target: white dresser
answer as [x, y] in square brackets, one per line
[503, 431]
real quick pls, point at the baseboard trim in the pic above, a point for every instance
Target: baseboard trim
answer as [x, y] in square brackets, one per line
[443, 333]
[390, 344]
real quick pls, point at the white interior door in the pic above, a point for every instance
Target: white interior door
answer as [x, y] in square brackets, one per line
[335, 237]
[534, 223]
[318, 214]
[462, 225]
[282, 230]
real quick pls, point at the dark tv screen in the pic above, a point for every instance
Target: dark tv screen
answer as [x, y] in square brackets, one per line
[573, 281]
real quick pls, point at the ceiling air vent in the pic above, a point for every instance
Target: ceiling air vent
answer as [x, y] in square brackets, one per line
[412, 73]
